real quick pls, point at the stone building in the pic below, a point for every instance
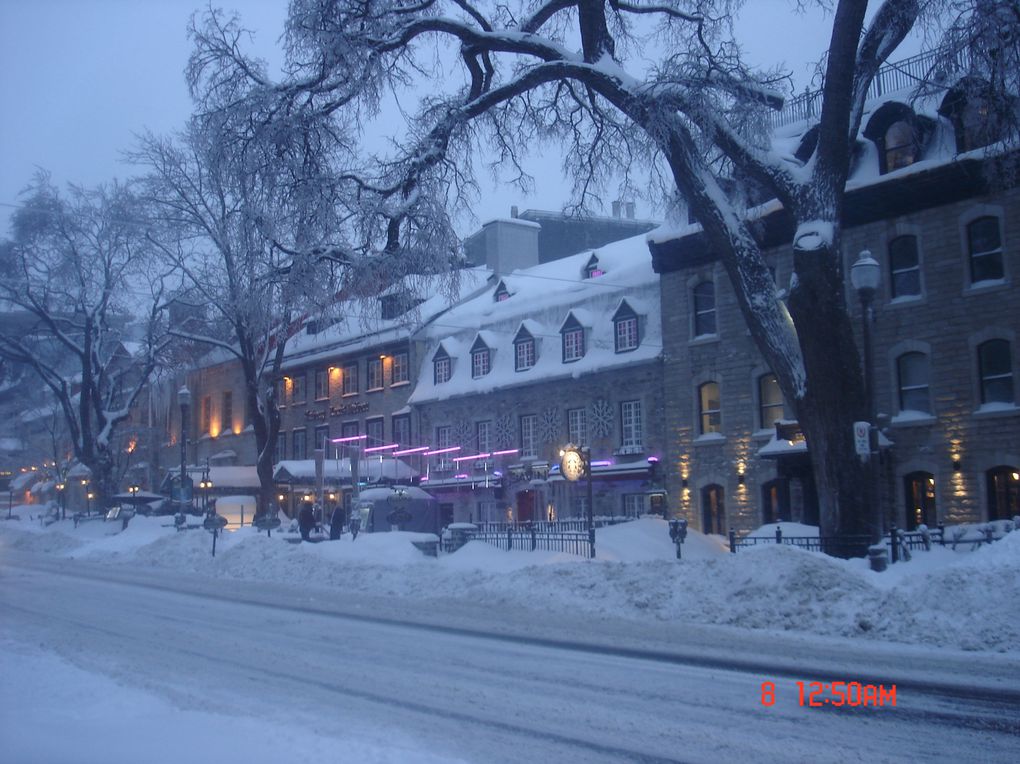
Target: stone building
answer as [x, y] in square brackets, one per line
[564, 352]
[932, 195]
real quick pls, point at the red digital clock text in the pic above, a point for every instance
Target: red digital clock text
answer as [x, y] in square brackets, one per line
[835, 694]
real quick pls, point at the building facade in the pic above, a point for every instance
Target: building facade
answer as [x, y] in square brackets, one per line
[933, 197]
[568, 352]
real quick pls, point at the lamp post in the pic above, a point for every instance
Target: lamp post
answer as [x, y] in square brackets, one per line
[88, 494]
[865, 275]
[60, 492]
[575, 462]
[184, 399]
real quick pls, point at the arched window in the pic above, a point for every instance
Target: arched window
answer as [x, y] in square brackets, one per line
[1003, 492]
[713, 510]
[709, 408]
[900, 148]
[904, 267]
[919, 492]
[704, 308]
[912, 380]
[984, 250]
[976, 121]
[775, 501]
[995, 372]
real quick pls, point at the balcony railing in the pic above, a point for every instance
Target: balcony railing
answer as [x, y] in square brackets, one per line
[890, 78]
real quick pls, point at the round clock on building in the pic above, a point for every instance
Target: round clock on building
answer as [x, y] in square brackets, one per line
[572, 463]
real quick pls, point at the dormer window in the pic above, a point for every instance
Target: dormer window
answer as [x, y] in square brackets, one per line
[524, 350]
[625, 328]
[971, 107]
[900, 146]
[481, 359]
[592, 269]
[501, 293]
[441, 367]
[573, 340]
[899, 134]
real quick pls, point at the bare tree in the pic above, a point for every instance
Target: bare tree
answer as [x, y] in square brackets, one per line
[262, 214]
[696, 115]
[80, 270]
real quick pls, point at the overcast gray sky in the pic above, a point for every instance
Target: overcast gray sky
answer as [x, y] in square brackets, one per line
[78, 78]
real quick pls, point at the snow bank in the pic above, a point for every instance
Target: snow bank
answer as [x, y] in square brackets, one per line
[957, 599]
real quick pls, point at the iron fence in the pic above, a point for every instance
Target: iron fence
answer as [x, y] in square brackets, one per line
[529, 540]
[847, 546]
[574, 524]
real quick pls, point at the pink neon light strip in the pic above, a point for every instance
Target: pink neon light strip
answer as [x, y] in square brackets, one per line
[382, 448]
[348, 439]
[469, 458]
[449, 450]
[417, 450]
[504, 453]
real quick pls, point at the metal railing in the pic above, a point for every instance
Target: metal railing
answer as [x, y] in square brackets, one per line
[530, 539]
[892, 77]
[574, 524]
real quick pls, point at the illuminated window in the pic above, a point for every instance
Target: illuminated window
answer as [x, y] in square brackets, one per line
[709, 410]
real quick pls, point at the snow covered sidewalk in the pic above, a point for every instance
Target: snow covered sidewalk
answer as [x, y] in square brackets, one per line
[968, 600]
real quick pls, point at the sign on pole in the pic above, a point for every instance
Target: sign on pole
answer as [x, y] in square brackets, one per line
[862, 441]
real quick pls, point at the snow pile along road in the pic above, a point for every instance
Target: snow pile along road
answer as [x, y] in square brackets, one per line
[958, 599]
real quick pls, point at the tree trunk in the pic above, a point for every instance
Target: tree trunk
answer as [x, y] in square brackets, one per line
[835, 393]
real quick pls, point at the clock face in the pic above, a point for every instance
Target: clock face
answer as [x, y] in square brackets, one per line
[572, 465]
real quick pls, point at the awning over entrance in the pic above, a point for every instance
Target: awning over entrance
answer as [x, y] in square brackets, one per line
[338, 471]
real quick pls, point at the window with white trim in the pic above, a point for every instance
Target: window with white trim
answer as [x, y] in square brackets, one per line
[912, 375]
[529, 439]
[703, 296]
[709, 408]
[577, 427]
[984, 249]
[375, 374]
[904, 267]
[401, 369]
[630, 424]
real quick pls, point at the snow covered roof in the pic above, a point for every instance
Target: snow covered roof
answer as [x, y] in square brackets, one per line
[546, 295]
[927, 110]
[363, 328]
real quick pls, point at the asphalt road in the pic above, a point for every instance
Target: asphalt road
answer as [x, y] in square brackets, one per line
[493, 686]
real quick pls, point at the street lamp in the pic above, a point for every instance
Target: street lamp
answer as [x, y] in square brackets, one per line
[575, 462]
[184, 399]
[60, 493]
[865, 275]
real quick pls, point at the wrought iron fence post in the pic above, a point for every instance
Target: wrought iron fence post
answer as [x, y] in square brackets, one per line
[509, 538]
[534, 540]
[894, 541]
[733, 541]
[942, 534]
[779, 535]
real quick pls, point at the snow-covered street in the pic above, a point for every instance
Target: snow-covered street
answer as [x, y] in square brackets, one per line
[294, 667]
[368, 651]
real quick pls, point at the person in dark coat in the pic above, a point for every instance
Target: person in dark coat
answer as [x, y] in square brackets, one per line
[306, 520]
[336, 523]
